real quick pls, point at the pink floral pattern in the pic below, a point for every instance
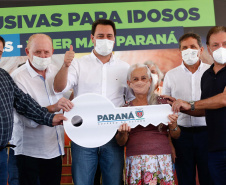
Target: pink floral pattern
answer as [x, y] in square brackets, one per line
[149, 170]
[147, 177]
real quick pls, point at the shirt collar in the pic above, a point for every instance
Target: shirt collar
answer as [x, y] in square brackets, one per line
[212, 71]
[186, 69]
[32, 72]
[110, 62]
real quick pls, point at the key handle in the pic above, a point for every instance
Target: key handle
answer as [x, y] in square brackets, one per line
[94, 120]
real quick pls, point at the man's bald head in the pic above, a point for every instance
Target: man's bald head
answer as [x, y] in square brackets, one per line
[37, 36]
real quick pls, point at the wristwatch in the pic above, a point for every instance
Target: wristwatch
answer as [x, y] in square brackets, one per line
[175, 129]
[192, 103]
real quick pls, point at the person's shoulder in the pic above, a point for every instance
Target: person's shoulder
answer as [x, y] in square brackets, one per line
[174, 71]
[85, 56]
[206, 66]
[178, 68]
[3, 71]
[84, 60]
[206, 71]
[52, 70]
[54, 67]
[118, 60]
[121, 62]
[19, 71]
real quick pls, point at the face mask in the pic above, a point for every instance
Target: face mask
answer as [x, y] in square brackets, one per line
[104, 46]
[155, 79]
[190, 56]
[219, 55]
[41, 63]
[140, 87]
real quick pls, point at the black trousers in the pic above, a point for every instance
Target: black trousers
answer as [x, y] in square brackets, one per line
[47, 170]
[191, 151]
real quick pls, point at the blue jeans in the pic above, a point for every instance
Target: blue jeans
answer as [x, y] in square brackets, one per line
[217, 166]
[3, 167]
[191, 151]
[84, 163]
[12, 169]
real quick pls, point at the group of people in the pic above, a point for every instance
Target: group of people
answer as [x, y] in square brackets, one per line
[150, 151]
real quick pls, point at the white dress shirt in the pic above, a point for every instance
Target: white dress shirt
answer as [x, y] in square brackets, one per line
[89, 75]
[30, 138]
[180, 83]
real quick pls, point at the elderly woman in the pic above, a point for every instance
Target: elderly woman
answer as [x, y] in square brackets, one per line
[157, 76]
[148, 150]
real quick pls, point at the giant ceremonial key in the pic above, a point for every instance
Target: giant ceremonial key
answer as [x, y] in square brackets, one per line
[94, 119]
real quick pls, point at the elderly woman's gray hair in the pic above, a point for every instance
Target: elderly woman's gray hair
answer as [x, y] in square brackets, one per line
[135, 66]
[159, 72]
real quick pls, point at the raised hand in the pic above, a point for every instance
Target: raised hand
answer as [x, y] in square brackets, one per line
[69, 56]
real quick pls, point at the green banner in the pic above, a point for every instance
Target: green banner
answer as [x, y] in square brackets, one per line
[79, 17]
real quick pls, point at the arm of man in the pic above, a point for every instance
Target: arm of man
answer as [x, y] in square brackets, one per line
[215, 102]
[28, 107]
[183, 106]
[61, 78]
[63, 104]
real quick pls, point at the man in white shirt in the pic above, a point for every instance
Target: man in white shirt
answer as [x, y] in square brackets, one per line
[39, 148]
[101, 73]
[183, 82]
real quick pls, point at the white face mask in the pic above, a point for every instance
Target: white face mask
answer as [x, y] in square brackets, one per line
[155, 79]
[140, 87]
[104, 46]
[40, 63]
[190, 56]
[219, 55]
